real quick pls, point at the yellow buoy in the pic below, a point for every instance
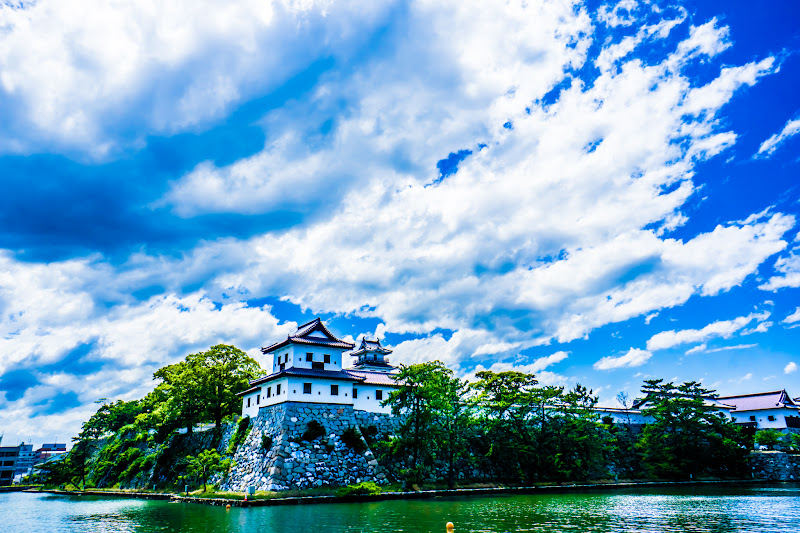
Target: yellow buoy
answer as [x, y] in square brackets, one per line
[450, 526]
[228, 506]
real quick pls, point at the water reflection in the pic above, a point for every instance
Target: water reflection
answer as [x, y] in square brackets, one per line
[723, 510]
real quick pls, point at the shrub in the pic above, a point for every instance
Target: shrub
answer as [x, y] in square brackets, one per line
[365, 488]
[352, 438]
[314, 431]
[242, 429]
[266, 442]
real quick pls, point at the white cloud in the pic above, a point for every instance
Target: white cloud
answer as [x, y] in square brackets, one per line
[769, 146]
[789, 268]
[790, 368]
[73, 69]
[723, 328]
[732, 347]
[697, 349]
[742, 379]
[794, 317]
[633, 358]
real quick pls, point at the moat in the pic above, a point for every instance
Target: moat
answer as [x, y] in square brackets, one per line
[764, 509]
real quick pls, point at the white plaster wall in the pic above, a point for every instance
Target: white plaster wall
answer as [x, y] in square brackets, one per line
[320, 391]
[252, 409]
[366, 399]
[762, 417]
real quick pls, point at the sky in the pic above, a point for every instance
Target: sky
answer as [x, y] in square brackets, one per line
[594, 192]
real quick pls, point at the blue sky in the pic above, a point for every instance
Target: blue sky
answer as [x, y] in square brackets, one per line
[596, 192]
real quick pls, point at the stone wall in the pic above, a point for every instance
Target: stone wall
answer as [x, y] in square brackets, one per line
[292, 463]
[775, 466]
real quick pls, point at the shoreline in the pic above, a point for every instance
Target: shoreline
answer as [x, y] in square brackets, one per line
[410, 495]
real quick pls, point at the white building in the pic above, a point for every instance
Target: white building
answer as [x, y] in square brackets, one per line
[308, 367]
[634, 416]
[765, 410]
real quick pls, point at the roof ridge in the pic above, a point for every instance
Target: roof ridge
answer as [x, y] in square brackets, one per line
[753, 394]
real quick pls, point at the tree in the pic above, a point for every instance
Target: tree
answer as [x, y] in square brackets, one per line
[455, 415]
[205, 464]
[770, 438]
[688, 435]
[506, 402]
[220, 373]
[415, 402]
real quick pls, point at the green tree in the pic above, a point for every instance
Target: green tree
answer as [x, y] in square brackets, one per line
[205, 464]
[506, 402]
[581, 445]
[415, 401]
[688, 435]
[771, 438]
[221, 372]
[454, 417]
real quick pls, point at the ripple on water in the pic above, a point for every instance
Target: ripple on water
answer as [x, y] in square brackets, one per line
[699, 509]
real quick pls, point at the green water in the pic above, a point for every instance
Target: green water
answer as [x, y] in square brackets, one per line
[769, 509]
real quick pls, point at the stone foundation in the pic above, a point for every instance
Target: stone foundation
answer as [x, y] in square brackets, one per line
[290, 463]
[775, 466]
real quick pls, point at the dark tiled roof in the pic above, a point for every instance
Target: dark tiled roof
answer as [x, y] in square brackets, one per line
[762, 400]
[373, 378]
[371, 346]
[303, 336]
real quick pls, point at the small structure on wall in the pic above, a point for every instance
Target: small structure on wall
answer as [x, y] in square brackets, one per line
[307, 367]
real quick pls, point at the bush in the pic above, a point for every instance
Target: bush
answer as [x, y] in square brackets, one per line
[314, 431]
[242, 430]
[365, 488]
[266, 442]
[352, 438]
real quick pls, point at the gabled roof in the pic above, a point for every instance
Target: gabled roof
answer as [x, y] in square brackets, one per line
[778, 399]
[305, 334]
[370, 346]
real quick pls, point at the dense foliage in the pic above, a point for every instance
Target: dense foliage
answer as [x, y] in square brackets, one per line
[529, 433]
[124, 439]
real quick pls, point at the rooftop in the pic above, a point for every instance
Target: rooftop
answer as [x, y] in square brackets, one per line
[761, 400]
[303, 335]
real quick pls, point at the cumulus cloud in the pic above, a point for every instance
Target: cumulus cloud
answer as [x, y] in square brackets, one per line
[769, 146]
[794, 317]
[723, 328]
[73, 69]
[633, 358]
[790, 368]
[789, 268]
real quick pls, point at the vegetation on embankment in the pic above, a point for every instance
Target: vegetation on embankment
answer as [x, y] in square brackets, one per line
[139, 443]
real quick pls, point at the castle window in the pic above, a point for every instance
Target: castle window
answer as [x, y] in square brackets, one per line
[355, 392]
[379, 394]
[306, 388]
[278, 389]
[771, 418]
[752, 418]
[334, 390]
[269, 392]
[309, 356]
[317, 365]
[248, 402]
[258, 399]
[327, 358]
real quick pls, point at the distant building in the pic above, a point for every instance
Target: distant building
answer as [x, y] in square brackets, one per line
[308, 367]
[47, 451]
[766, 410]
[24, 466]
[8, 464]
[635, 417]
